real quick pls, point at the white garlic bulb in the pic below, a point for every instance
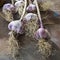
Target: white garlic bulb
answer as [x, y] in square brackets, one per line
[30, 24]
[8, 9]
[15, 26]
[19, 6]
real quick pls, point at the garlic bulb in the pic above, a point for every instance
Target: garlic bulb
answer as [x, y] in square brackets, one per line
[41, 33]
[31, 8]
[19, 6]
[8, 9]
[31, 24]
[16, 26]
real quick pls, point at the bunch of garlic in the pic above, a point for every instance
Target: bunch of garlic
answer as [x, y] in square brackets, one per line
[8, 9]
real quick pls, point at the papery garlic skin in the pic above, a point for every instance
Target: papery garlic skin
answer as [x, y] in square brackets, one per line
[15, 26]
[19, 6]
[7, 10]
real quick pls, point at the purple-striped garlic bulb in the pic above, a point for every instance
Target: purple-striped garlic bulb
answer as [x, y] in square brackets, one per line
[41, 33]
[16, 26]
[8, 9]
[31, 8]
[19, 6]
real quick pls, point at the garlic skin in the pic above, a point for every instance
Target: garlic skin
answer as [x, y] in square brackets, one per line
[30, 16]
[16, 26]
[19, 6]
[31, 8]
[8, 9]
[41, 33]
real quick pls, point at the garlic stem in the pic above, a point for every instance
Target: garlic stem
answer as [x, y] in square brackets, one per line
[38, 12]
[24, 10]
[12, 1]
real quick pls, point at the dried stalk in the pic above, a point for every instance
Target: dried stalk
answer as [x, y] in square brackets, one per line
[38, 12]
[12, 1]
